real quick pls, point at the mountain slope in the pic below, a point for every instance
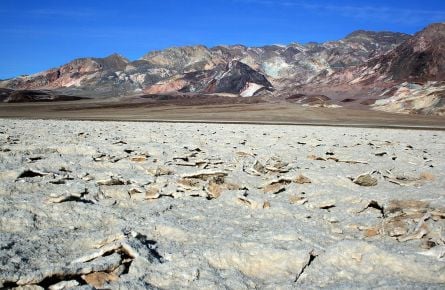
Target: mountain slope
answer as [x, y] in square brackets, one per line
[355, 71]
[419, 59]
[418, 62]
[115, 75]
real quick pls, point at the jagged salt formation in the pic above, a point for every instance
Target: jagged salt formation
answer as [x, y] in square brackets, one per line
[122, 205]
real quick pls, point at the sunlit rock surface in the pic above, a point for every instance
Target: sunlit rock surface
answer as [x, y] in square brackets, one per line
[122, 205]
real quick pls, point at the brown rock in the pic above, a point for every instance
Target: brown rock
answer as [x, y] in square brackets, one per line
[314, 157]
[259, 168]
[190, 183]
[407, 206]
[274, 188]
[371, 232]
[139, 158]
[301, 179]
[243, 154]
[98, 279]
[214, 190]
[112, 181]
[152, 193]
[159, 171]
[298, 200]
[232, 186]
[206, 174]
[396, 227]
[134, 191]
[365, 180]
[247, 202]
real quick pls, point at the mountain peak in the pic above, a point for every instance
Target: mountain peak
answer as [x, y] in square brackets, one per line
[433, 31]
[117, 56]
[113, 62]
[381, 36]
[185, 50]
[359, 33]
[182, 58]
[243, 70]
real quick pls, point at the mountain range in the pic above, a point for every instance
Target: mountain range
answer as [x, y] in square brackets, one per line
[386, 71]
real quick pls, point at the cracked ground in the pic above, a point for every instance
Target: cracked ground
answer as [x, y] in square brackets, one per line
[122, 205]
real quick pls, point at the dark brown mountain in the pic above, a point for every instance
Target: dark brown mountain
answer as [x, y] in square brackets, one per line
[419, 59]
[20, 96]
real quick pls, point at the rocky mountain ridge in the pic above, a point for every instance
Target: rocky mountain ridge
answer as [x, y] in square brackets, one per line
[361, 67]
[410, 77]
[275, 62]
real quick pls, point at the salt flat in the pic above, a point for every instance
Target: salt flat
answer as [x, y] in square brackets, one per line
[123, 205]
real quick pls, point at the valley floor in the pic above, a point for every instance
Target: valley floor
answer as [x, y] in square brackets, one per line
[263, 113]
[129, 205]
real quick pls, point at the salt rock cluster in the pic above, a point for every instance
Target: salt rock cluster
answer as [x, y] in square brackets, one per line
[121, 205]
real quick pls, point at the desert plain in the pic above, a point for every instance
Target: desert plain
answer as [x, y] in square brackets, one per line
[130, 205]
[202, 109]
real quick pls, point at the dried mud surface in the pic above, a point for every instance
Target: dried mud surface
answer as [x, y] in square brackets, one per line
[128, 205]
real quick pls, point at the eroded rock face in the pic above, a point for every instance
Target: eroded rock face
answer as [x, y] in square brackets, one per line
[394, 71]
[410, 98]
[167, 70]
[111, 206]
[406, 79]
[72, 74]
[421, 58]
[234, 78]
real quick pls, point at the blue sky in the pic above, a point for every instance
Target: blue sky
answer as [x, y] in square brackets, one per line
[37, 35]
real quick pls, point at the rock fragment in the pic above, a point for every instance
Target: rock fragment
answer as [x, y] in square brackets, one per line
[274, 188]
[301, 179]
[407, 206]
[365, 180]
[257, 169]
[327, 204]
[64, 285]
[152, 192]
[371, 232]
[409, 180]
[214, 190]
[98, 279]
[190, 183]
[139, 158]
[160, 171]
[297, 200]
[205, 174]
[112, 181]
[278, 166]
[253, 202]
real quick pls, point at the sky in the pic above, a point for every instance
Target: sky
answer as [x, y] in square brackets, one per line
[40, 34]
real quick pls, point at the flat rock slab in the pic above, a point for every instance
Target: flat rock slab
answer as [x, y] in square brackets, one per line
[122, 205]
